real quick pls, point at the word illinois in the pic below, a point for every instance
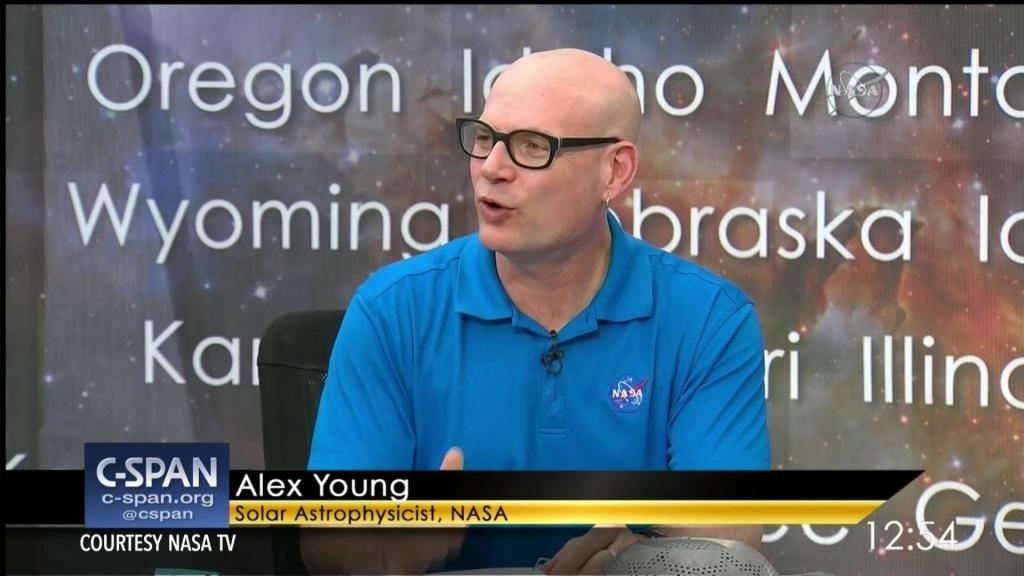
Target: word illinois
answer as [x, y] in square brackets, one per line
[960, 373]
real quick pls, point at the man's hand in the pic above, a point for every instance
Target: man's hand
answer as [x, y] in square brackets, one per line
[423, 548]
[407, 551]
[591, 552]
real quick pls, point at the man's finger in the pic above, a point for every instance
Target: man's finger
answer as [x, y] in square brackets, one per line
[455, 539]
[597, 563]
[579, 550]
[453, 459]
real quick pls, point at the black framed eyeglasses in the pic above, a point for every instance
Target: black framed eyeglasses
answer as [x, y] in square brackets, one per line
[527, 148]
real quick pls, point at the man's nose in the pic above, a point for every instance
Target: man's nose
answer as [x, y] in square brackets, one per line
[498, 165]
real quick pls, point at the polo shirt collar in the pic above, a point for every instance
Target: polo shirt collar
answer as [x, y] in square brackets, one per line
[627, 292]
[478, 290]
[628, 289]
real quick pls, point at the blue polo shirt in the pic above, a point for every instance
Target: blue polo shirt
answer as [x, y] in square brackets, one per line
[662, 370]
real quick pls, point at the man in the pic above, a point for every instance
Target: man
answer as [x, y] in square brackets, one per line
[551, 339]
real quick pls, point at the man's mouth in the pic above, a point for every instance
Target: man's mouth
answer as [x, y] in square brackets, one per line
[492, 212]
[489, 203]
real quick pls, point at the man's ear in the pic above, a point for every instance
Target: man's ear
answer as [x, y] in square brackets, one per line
[624, 162]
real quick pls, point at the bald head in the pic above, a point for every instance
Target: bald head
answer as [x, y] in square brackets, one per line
[573, 91]
[547, 217]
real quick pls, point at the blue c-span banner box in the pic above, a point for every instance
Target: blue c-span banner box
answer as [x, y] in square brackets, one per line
[151, 485]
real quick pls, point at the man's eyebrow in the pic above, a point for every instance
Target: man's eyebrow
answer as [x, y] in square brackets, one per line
[529, 127]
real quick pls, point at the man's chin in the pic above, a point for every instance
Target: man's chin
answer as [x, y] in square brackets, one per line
[492, 239]
[499, 240]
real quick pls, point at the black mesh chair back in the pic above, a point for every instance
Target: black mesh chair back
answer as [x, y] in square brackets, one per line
[294, 353]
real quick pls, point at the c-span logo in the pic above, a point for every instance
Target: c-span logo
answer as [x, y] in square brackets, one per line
[627, 394]
[156, 485]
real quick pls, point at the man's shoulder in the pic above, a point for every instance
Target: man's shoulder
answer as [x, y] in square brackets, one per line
[420, 274]
[684, 281]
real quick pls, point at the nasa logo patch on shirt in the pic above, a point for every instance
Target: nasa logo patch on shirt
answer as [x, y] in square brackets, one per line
[627, 393]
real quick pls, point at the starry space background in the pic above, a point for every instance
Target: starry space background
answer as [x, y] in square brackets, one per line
[77, 314]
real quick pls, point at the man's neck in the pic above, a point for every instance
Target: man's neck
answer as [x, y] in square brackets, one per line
[554, 289]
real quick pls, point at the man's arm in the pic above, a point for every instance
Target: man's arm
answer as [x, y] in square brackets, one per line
[719, 416]
[749, 535]
[365, 422]
[382, 551]
[719, 419]
[591, 552]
